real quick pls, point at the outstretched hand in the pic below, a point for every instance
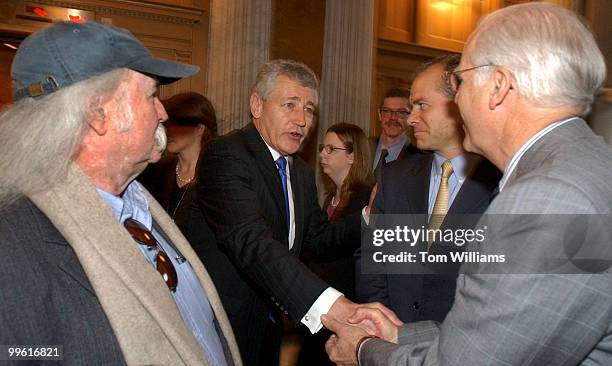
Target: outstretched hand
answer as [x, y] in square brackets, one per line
[373, 319]
[341, 347]
[382, 323]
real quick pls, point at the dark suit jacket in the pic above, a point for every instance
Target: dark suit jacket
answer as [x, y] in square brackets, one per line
[405, 190]
[53, 302]
[339, 273]
[407, 150]
[241, 197]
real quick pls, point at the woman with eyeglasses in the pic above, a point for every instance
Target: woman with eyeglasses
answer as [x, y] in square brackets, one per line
[191, 124]
[345, 158]
[346, 162]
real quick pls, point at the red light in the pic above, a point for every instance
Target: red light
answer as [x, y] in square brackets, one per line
[76, 19]
[40, 12]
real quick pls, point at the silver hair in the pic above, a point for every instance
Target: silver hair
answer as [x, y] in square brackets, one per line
[549, 49]
[294, 70]
[39, 138]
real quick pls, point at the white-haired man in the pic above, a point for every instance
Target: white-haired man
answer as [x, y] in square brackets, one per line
[82, 239]
[527, 75]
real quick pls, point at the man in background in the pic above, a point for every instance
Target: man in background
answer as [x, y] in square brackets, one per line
[393, 142]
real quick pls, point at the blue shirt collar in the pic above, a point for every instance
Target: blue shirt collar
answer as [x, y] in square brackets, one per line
[131, 204]
[459, 164]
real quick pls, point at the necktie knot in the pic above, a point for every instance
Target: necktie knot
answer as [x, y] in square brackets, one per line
[281, 163]
[383, 155]
[447, 169]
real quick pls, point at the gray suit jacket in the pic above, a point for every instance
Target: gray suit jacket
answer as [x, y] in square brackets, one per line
[512, 319]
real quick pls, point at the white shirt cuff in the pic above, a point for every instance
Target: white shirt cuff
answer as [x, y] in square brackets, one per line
[321, 306]
[365, 215]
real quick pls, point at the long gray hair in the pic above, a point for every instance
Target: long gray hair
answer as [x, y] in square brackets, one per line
[40, 138]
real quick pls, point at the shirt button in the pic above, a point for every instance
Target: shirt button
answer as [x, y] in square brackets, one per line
[307, 318]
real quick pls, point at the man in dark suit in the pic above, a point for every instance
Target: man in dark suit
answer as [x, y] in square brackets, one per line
[260, 200]
[411, 186]
[549, 302]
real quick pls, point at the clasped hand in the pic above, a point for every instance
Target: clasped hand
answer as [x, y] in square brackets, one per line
[352, 322]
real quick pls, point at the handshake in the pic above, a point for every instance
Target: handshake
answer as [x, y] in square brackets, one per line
[353, 324]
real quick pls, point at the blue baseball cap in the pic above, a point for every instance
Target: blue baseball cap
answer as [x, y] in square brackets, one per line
[68, 52]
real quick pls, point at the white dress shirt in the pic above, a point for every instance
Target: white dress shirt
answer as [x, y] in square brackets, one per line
[312, 318]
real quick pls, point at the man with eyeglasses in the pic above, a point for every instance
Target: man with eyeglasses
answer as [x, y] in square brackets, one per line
[528, 75]
[443, 188]
[93, 266]
[393, 141]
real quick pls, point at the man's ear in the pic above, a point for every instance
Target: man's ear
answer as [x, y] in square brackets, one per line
[256, 105]
[503, 83]
[98, 117]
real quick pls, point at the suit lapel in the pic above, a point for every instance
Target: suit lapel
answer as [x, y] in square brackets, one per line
[471, 194]
[297, 186]
[269, 171]
[418, 195]
[67, 263]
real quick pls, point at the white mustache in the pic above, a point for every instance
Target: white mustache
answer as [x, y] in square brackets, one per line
[161, 139]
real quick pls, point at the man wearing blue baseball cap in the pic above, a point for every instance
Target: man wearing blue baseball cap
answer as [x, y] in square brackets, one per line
[80, 240]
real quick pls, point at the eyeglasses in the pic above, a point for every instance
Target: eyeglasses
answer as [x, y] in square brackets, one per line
[399, 113]
[144, 237]
[454, 77]
[329, 148]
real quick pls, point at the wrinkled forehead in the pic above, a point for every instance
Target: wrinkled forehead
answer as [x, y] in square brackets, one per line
[290, 87]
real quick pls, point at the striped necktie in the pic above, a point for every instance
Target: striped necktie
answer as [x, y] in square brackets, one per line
[441, 205]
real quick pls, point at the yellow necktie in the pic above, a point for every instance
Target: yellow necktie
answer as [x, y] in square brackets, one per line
[441, 205]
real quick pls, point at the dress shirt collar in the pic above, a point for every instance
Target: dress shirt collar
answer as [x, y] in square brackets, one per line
[459, 163]
[276, 154]
[394, 149]
[519, 154]
[131, 204]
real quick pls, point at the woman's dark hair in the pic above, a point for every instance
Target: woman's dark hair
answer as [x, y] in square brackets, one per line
[355, 141]
[192, 109]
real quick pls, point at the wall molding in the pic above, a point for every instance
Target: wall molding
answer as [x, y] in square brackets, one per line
[136, 9]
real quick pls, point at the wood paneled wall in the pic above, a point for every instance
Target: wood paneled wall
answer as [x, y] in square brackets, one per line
[171, 29]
